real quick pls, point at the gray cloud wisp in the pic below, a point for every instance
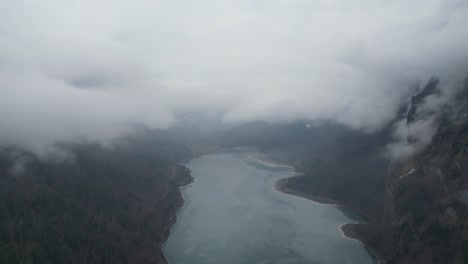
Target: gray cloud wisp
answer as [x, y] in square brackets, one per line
[90, 70]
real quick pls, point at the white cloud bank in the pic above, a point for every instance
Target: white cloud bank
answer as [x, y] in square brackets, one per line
[90, 70]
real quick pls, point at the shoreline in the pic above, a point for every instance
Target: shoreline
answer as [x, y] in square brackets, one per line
[346, 230]
[257, 157]
[173, 217]
[281, 185]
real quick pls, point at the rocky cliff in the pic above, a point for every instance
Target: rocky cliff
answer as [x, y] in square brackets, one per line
[426, 203]
[425, 206]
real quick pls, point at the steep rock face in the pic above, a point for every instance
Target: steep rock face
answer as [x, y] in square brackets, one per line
[416, 100]
[426, 204]
[425, 207]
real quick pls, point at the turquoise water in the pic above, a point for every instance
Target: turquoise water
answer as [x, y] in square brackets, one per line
[233, 215]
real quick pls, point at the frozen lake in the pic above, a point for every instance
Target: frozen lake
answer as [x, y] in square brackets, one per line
[233, 215]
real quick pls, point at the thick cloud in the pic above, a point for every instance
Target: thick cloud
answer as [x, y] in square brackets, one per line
[90, 70]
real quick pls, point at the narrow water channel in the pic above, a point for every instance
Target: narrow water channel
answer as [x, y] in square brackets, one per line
[233, 215]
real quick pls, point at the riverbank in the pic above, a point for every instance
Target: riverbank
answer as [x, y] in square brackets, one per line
[182, 176]
[267, 161]
[282, 185]
[347, 230]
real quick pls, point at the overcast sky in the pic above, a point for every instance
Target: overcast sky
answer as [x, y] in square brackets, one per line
[90, 70]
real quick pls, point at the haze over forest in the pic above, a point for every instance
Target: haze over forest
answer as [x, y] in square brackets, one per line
[91, 71]
[109, 107]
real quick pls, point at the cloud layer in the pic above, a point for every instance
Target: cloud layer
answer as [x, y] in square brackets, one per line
[91, 70]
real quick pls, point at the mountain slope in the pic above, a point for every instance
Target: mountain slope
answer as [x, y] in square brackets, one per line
[337, 162]
[426, 204]
[107, 205]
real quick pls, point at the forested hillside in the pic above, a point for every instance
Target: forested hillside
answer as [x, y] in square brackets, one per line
[335, 160]
[104, 205]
